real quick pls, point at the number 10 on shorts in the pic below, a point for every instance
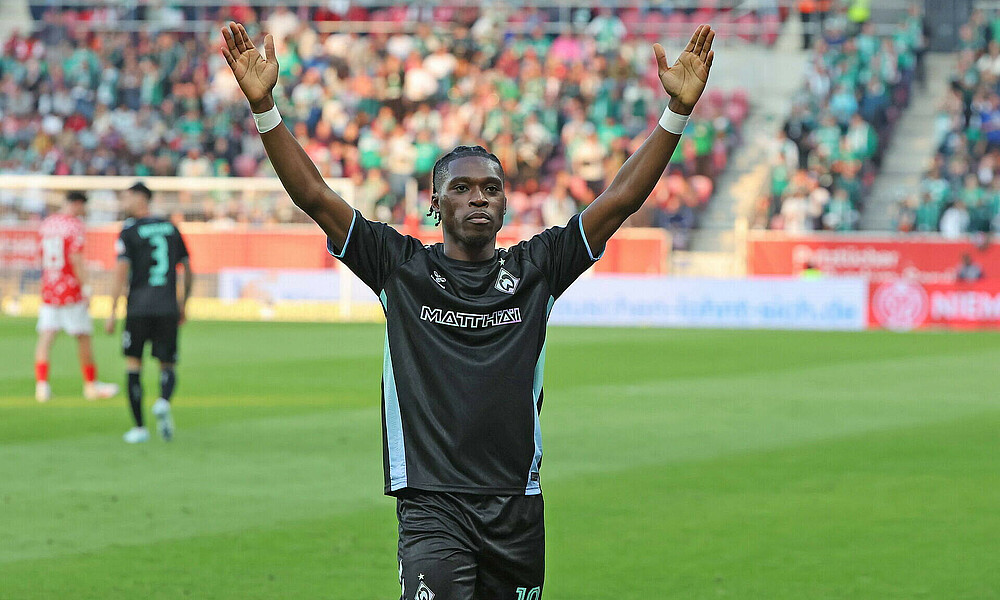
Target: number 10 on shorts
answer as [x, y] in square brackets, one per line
[525, 594]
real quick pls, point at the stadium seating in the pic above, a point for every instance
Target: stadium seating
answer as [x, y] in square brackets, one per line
[829, 151]
[960, 192]
[562, 111]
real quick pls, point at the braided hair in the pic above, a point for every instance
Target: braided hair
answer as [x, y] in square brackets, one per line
[441, 168]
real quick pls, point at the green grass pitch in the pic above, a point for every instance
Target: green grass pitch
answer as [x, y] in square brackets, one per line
[678, 464]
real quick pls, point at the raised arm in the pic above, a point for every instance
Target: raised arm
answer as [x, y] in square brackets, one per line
[684, 82]
[257, 76]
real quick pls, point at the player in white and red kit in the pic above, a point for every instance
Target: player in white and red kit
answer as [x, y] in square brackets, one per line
[65, 298]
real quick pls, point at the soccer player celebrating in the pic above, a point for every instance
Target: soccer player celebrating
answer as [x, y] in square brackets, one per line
[465, 335]
[149, 250]
[65, 298]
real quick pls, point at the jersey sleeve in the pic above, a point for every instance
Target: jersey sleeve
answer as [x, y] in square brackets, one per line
[373, 250]
[182, 250]
[75, 240]
[122, 250]
[562, 254]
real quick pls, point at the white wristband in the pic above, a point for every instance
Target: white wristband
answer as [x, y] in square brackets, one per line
[673, 122]
[266, 121]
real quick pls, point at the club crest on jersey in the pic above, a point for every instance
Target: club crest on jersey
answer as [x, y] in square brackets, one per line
[424, 592]
[506, 282]
[438, 279]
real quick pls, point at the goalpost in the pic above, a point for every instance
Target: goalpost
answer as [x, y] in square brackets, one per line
[255, 255]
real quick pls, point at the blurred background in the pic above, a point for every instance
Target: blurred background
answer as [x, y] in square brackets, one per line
[826, 123]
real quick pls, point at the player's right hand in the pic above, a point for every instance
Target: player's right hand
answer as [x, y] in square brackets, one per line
[256, 74]
[109, 325]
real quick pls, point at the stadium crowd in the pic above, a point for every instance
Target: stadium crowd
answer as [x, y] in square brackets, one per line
[960, 191]
[562, 112]
[824, 160]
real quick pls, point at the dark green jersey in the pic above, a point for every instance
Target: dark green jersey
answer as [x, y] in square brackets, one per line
[464, 354]
[153, 247]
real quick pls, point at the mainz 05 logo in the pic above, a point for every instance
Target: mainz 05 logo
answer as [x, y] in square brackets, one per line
[470, 320]
[900, 305]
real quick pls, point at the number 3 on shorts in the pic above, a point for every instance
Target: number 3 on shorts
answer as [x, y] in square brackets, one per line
[525, 594]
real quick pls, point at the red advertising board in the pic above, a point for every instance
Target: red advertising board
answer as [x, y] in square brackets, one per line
[638, 251]
[20, 248]
[904, 304]
[211, 250]
[928, 260]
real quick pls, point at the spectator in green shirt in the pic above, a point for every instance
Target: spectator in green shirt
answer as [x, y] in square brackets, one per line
[935, 186]
[849, 180]
[779, 179]
[971, 193]
[861, 138]
[371, 145]
[928, 214]
[828, 134]
[610, 130]
[840, 215]
[703, 138]
[427, 153]
[980, 214]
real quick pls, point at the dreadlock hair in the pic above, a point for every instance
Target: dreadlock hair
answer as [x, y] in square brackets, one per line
[441, 167]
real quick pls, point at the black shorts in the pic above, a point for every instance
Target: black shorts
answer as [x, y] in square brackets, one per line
[161, 330]
[470, 547]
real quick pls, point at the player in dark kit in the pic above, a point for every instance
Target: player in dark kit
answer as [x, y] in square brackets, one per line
[149, 250]
[465, 335]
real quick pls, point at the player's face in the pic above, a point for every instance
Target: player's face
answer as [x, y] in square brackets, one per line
[131, 202]
[126, 199]
[78, 209]
[472, 201]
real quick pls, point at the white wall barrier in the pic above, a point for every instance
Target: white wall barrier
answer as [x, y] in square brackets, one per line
[277, 285]
[610, 300]
[760, 303]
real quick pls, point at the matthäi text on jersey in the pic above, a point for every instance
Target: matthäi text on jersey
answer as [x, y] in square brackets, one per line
[440, 316]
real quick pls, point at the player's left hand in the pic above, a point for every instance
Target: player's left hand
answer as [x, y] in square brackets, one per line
[686, 79]
[109, 325]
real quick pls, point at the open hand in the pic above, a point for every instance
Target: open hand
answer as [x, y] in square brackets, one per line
[109, 325]
[686, 79]
[256, 74]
